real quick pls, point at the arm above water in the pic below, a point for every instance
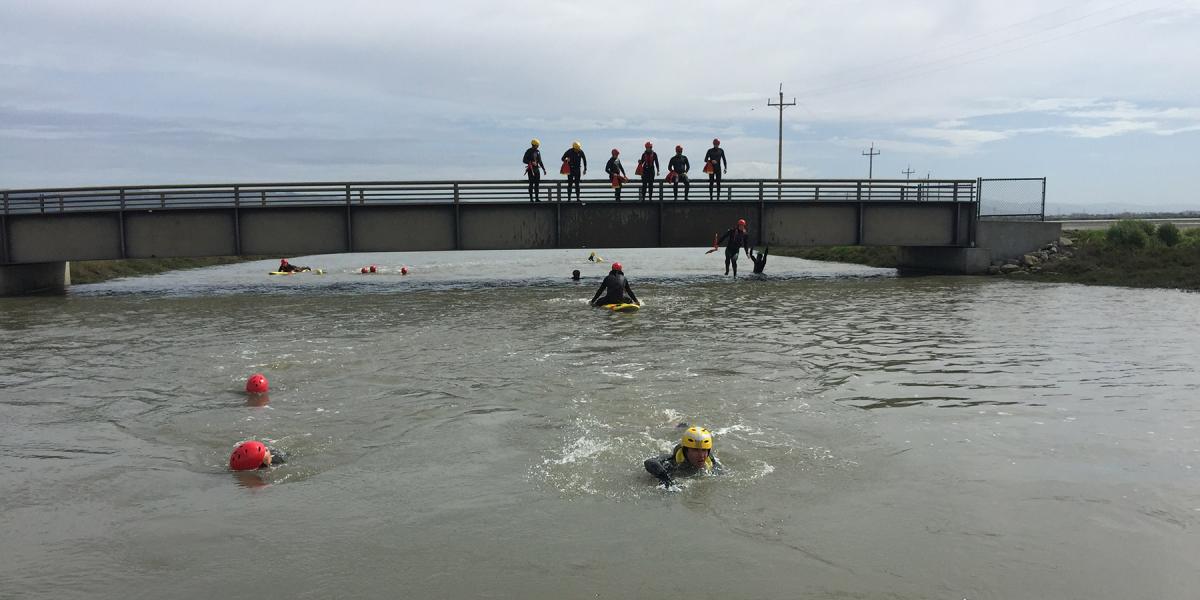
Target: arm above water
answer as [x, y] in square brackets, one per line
[658, 467]
[598, 292]
[629, 290]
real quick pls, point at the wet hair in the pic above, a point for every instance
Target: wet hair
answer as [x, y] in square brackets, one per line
[575, 274]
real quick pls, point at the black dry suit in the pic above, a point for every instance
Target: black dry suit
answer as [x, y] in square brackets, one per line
[676, 463]
[615, 289]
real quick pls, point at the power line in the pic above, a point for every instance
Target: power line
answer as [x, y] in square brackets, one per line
[908, 171]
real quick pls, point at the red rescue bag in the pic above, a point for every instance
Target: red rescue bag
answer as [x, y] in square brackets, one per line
[672, 176]
[616, 181]
[566, 168]
[708, 166]
[638, 170]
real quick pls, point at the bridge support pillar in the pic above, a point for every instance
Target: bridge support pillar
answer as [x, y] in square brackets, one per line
[34, 278]
[951, 261]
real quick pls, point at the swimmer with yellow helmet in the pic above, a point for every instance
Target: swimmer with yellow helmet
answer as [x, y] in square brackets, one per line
[693, 454]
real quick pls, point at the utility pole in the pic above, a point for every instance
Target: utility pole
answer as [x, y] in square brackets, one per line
[908, 172]
[871, 160]
[781, 106]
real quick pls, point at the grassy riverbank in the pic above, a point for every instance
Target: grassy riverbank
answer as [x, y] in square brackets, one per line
[94, 271]
[1130, 253]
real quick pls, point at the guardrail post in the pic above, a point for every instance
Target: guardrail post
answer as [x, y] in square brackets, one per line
[858, 193]
[457, 219]
[1043, 198]
[362, 198]
[262, 198]
[162, 199]
[42, 203]
[349, 223]
[558, 191]
[816, 193]
[121, 222]
[760, 192]
[956, 191]
[660, 199]
[237, 196]
[6, 203]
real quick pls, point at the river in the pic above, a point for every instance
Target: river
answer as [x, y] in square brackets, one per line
[475, 430]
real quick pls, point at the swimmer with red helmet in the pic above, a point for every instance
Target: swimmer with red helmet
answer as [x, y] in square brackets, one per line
[615, 288]
[692, 455]
[738, 240]
[286, 267]
[253, 454]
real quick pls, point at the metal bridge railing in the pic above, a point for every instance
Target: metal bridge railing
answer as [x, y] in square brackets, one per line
[383, 193]
[1013, 198]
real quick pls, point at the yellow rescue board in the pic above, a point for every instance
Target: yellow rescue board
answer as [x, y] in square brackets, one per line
[315, 271]
[621, 307]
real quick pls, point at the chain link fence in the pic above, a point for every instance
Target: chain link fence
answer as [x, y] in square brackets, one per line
[1013, 198]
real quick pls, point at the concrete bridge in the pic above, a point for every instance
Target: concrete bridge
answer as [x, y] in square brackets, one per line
[42, 229]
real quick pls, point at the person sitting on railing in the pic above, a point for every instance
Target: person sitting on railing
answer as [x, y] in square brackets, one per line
[615, 288]
[760, 260]
[677, 171]
[534, 168]
[286, 267]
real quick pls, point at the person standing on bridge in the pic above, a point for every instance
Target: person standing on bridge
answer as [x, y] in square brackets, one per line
[534, 168]
[677, 170]
[616, 174]
[647, 167]
[713, 160]
[576, 162]
[738, 240]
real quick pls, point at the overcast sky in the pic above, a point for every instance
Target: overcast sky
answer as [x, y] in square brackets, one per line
[1102, 97]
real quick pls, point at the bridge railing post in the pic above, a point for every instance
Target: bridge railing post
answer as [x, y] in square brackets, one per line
[42, 203]
[660, 199]
[858, 192]
[162, 199]
[5, 203]
[760, 192]
[122, 199]
[956, 191]
[237, 196]
[558, 191]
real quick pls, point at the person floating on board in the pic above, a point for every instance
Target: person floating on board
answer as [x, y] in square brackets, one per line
[575, 164]
[677, 171]
[647, 167]
[760, 260]
[738, 239]
[615, 289]
[713, 161]
[616, 174]
[253, 454]
[534, 168]
[575, 275]
[286, 267]
[593, 257]
[693, 454]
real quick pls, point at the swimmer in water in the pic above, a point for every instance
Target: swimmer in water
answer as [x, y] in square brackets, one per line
[593, 258]
[693, 454]
[760, 260]
[253, 454]
[575, 275]
[615, 288]
[286, 267]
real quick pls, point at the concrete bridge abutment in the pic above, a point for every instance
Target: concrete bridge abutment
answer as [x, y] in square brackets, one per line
[35, 278]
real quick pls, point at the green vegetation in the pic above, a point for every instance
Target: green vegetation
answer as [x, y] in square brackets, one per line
[93, 271]
[1130, 253]
[873, 256]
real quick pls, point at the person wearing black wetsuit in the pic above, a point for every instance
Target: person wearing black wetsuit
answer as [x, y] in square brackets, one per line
[616, 173]
[649, 164]
[738, 240]
[760, 260]
[577, 165]
[679, 167]
[286, 267]
[714, 159]
[693, 454]
[534, 168]
[615, 288]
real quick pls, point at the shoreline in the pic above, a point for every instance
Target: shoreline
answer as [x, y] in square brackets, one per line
[96, 271]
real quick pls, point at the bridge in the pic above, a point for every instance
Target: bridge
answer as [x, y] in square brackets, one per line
[43, 229]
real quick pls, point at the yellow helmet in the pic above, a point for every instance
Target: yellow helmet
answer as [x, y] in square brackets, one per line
[697, 437]
[535, 142]
[577, 145]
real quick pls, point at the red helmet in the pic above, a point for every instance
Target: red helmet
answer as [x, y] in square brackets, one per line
[373, 269]
[741, 222]
[257, 384]
[616, 152]
[283, 261]
[617, 267]
[248, 456]
[679, 148]
[716, 142]
[362, 270]
[649, 145]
